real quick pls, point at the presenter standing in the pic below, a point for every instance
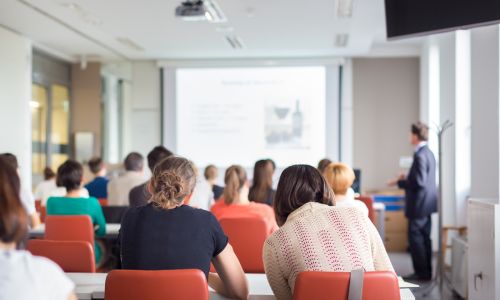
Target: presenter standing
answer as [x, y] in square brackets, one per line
[421, 202]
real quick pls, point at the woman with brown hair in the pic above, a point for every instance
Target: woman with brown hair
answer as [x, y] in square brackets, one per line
[165, 234]
[235, 200]
[262, 183]
[23, 276]
[317, 235]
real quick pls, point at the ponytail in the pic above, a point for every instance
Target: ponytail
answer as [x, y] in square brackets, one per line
[234, 179]
[13, 217]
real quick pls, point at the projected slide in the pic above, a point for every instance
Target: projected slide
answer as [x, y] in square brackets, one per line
[239, 115]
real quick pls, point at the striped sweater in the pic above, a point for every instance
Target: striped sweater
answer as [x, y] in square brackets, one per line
[317, 237]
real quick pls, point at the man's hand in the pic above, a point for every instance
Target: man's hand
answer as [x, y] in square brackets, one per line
[394, 182]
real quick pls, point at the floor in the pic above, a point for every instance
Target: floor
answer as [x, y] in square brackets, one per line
[403, 266]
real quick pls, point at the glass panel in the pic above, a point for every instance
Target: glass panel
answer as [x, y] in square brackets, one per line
[39, 109]
[59, 125]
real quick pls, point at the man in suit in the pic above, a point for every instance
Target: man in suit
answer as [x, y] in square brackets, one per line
[421, 202]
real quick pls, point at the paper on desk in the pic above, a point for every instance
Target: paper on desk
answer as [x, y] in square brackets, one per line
[406, 285]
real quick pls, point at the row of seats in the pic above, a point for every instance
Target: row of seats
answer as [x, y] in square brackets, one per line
[191, 284]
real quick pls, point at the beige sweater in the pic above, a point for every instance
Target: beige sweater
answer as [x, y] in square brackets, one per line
[317, 237]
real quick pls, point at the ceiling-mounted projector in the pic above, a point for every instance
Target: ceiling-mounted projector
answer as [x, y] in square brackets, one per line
[199, 10]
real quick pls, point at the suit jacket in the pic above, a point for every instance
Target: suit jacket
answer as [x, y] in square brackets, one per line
[420, 185]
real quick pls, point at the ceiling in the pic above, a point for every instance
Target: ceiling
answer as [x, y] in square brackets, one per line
[109, 30]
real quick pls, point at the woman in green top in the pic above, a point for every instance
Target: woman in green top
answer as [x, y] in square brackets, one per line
[70, 176]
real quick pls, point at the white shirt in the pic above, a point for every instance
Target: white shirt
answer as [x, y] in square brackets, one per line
[119, 188]
[28, 201]
[203, 195]
[24, 276]
[44, 190]
[349, 201]
[420, 145]
[61, 192]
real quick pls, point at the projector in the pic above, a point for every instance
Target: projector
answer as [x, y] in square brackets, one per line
[200, 10]
[191, 11]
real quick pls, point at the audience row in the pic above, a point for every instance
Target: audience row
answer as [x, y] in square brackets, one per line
[313, 220]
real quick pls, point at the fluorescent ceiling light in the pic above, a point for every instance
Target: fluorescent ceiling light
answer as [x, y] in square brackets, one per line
[235, 42]
[344, 8]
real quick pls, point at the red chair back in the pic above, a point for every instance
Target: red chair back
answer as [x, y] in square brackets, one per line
[368, 201]
[43, 213]
[103, 201]
[71, 256]
[156, 285]
[247, 236]
[335, 285]
[69, 228]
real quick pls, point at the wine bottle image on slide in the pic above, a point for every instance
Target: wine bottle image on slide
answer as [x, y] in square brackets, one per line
[297, 121]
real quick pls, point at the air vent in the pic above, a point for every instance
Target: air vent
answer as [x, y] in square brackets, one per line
[235, 42]
[341, 40]
[129, 43]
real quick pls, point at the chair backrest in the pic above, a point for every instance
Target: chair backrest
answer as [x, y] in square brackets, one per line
[114, 214]
[247, 236]
[335, 285]
[71, 256]
[69, 228]
[152, 285]
[103, 201]
[368, 201]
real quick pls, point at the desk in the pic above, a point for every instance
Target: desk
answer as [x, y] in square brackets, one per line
[91, 286]
[112, 230]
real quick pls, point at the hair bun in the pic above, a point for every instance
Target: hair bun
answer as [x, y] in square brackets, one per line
[169, 187]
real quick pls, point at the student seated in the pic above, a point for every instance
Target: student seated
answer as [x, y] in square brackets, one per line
[25, 194]
[235, 199]
[322, 164]
[211, 173]
[317, 235]
[262, 183]
[166, 235]
[203, 195]
[119, 188]
[45, 188]
[140, 195]
[98, 187]
[70, 176]
[23, 276]
[340, 178]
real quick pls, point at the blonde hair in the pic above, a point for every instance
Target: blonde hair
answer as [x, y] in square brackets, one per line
[173, 179]
[340, 177]
[234, 179]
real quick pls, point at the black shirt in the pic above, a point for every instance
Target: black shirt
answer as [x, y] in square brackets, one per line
[152, 238]
[218, 191]
[139, 195]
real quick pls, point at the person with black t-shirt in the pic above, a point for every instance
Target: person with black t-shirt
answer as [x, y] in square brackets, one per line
[167, 235]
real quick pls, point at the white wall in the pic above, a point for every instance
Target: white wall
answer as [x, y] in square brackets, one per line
[15, 95]
[485, 116]
[142, 118]
[385, 104]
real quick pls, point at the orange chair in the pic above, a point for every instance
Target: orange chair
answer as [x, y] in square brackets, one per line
[69, 228]
[368, 201]
[335, 285]
[38, 205]
[247, 236]
[43, 213]
[71, 256]
[103, 201]
[156, 285]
